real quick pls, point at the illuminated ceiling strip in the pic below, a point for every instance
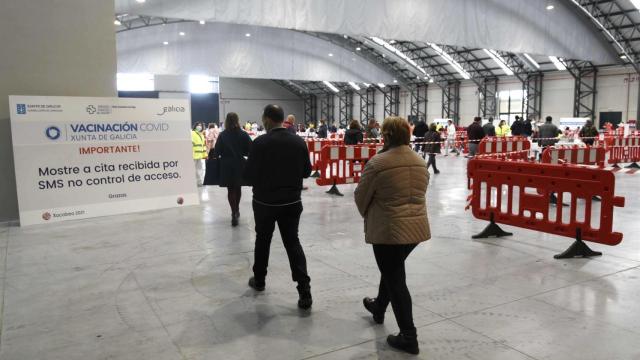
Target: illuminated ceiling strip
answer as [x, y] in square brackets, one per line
[499, 60]
[450, 60]
[354, 86]
[533, 62]
[400, 54]
[558, 63]
[331, 86]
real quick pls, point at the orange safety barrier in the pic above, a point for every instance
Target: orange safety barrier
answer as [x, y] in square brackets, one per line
[519, 194]
[343, 164]
[315, 147]
[574, 154]
[509, 147]
[625, 150]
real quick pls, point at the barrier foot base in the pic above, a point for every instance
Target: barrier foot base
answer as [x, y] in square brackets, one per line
[616, 166]
[334, 191]
[633, 166]
[596, 198]
[315, 174]
[578, 250]
[492, 230]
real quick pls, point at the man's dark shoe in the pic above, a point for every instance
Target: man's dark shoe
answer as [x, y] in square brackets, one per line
[256, 285]
[408, 344]
[372, 307]
[305, 301]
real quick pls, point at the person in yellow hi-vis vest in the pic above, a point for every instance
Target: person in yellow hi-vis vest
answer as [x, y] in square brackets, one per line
[199, 151]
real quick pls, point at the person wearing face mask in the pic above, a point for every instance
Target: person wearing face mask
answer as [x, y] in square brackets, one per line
[199, 151]
[277, 163]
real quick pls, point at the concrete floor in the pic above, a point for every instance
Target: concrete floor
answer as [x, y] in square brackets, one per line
[171, 284]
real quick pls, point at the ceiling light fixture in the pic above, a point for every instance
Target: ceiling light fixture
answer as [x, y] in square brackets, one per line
[201, 22]
[247, 35]
[182, 33]
[117, 22]
[533, 62]
[381, 85]
[358, 49]
[395, 81]
[558, 63]
[165, 43]
[330, 54]
[431, 80]
[499, 60]
[550, 7]
[450, 60]
[331, 86]
[392, 42]
[366, 85]
[141, 1]
[623, 57]
[387, 46]
[354, 86]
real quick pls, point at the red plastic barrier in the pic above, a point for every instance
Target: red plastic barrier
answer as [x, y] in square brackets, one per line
[624, 150]
[462, 141]
[520, 193]
[509, 147]
[574, 154]
[315, 148]
[344, 164]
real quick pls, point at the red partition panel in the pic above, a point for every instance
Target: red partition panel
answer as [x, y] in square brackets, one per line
[624, 150]
[509, 147]
[518, 194]
[315, 149]
[574, 154]
[344, 164]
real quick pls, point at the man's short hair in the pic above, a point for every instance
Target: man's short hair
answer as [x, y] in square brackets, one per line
[274, 112]
[477, 118]
[490, 118]
[549, 118]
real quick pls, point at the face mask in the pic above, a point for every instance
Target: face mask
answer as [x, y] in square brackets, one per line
[198, 128]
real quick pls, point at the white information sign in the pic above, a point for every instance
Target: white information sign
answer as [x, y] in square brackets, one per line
[572, 123]
[78, 158]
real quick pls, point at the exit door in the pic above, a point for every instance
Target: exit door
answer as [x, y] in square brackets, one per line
[613, 117]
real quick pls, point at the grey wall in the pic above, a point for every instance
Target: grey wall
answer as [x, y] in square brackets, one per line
[62, 47]
[248, 97]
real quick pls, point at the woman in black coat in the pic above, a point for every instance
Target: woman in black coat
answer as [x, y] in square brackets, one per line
[353, 136]
[232, 146]
[433, 147]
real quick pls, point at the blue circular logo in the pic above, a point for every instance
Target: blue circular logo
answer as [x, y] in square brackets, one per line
[52, 132]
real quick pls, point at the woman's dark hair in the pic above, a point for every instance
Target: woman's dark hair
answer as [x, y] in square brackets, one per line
[354, 124]
[232, 121]
[433, 127]
[502, 122]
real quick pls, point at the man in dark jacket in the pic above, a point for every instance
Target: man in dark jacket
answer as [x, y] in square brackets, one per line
[277, 163]
[517, 128]
[489, 129]
[588, 133]
[322, 130]
[475, 134]
[548, 133]
[419, 131]
[528, 128]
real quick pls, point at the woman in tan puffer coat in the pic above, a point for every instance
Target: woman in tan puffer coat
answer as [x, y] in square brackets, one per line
[391, 196]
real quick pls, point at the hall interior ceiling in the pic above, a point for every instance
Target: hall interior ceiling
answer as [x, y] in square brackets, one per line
[607, 31]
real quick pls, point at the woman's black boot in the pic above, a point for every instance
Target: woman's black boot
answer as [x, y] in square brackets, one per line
[406, 343]
[372, 307]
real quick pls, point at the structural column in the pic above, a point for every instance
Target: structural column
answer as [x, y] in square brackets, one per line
[64, 47]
